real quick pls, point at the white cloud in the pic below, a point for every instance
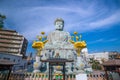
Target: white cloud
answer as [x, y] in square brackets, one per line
[106, 21]
[34, 20]
[103, 40]
[96, 41]
[111, 40]
[32, 33]
[30, 21]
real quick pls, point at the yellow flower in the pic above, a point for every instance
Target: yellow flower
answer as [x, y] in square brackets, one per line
[77, 38]
[40, 38]
[38, 45]
[80, 44]
[45, 36]
[75, 32]
[42, 33]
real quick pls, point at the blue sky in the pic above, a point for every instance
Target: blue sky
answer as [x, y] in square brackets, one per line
[97, 20]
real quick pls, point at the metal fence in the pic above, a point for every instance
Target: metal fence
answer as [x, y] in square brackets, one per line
[96, 77]
[41, 76]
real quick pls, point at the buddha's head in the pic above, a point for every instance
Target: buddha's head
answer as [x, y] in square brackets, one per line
[59, 24]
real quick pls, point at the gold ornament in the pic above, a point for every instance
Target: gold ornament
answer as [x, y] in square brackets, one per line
[42, 33]
[38, 45]
[77, 38]
[75, 32]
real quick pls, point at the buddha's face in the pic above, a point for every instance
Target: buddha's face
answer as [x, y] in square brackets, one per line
[59, 25]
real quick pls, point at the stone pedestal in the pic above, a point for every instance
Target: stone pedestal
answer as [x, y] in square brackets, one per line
[81, 77]
[37, 65]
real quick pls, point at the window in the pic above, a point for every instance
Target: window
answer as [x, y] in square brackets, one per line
[6, 58]
[18, 60]
[14, 60]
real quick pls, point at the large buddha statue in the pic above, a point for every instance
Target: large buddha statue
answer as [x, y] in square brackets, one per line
[58, 40]
[58, 46]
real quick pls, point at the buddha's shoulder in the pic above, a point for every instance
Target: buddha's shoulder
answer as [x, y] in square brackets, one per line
[65, 32]
[61, 32]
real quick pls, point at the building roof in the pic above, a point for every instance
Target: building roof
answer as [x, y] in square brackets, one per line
[115, 62]
[7, 30]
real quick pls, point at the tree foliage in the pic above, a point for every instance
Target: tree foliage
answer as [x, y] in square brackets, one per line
[2, 18]
[95, 64]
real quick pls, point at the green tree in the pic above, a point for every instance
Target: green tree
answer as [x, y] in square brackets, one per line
[2, 18]
[95, 64]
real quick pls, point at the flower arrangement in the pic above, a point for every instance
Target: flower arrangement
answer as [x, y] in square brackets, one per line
[39, 44]
[78, 43]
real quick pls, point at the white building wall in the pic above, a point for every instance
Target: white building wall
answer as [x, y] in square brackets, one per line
[20, 63]
[99, 56]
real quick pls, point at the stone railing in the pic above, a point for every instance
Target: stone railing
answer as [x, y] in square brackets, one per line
[40, 76]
